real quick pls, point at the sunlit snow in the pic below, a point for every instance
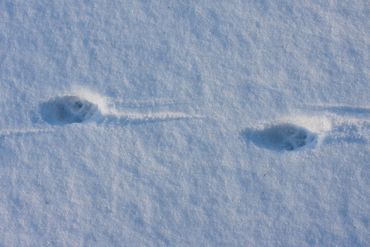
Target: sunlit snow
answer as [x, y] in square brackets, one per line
[184, 123]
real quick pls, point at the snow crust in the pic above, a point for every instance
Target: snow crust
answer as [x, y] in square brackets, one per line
[184, 123]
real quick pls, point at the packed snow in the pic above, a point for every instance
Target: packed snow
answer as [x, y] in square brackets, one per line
[184, 123]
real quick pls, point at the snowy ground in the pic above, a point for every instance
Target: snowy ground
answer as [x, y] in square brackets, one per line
[184, 123]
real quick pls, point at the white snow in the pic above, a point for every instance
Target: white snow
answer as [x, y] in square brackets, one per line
[184, 123]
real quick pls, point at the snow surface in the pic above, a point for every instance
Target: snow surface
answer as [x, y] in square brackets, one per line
[184, 123]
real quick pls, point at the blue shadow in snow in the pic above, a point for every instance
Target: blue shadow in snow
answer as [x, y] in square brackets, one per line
[280, 137]
[66, 110]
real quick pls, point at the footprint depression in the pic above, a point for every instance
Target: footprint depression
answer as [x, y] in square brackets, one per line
[67, 110]
[281, 137]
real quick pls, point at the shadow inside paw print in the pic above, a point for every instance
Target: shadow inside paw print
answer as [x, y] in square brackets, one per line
[67, 110]
[281, 137]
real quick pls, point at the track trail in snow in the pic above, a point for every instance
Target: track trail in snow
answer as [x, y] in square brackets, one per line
[318, 124]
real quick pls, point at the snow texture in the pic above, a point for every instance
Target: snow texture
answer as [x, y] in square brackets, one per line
[185, 123]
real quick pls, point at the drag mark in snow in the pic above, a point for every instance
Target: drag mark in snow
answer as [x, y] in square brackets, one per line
[76, 109]
[351, 131]
[127, 118]
[147, 103]
[350, 124]
[342, 110]
[21, 132]
[281, 137]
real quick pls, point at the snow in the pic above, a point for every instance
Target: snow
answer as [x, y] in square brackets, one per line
[184, 123]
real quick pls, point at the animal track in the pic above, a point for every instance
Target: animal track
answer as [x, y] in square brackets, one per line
[67, 110]
[281, 137]
[73, 109]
